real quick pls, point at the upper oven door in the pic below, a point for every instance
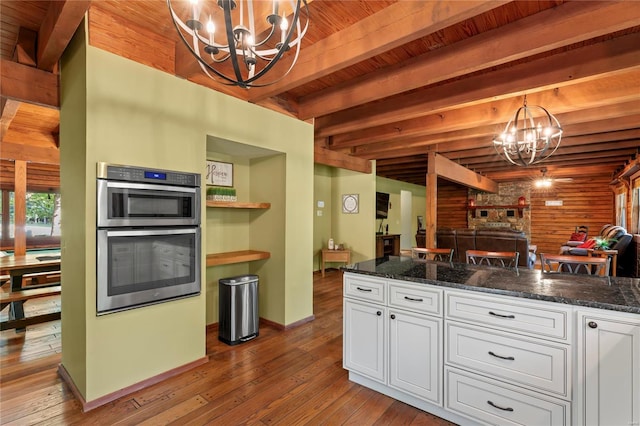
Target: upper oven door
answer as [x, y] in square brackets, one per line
[142, 204]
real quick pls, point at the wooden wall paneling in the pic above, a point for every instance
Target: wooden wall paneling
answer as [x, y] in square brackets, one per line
[452, 205]
[585, 201]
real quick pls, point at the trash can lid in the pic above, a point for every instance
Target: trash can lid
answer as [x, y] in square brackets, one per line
[240, 279]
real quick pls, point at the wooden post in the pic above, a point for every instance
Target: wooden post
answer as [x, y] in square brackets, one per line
[20, 208]
[431, 222]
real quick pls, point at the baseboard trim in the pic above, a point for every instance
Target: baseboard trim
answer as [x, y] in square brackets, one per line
[287, 327]
[90, 405]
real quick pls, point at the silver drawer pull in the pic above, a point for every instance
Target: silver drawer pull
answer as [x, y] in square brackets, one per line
[509, 358]
[413, 300]
[499, 407]
[501, 316]
[368, 290]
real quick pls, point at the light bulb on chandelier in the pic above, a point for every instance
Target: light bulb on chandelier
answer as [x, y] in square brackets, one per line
[252, 46]
[525, 142]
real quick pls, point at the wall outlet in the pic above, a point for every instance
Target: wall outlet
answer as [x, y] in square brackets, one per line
[319, 213]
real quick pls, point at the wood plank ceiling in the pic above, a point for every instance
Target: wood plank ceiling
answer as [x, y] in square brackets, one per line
[382, 80]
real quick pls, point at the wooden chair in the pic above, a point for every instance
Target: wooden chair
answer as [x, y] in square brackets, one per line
[554, 263]
[504, 259]
[438, 254]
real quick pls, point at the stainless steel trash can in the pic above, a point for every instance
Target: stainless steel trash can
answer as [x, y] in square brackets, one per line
[238, 309]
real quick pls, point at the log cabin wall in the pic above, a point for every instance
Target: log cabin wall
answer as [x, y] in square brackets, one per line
[585, 201]
[452, 205]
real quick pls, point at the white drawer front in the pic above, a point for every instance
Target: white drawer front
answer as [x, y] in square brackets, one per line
[538, 364]
[544, 320]
[364, 288]
[496, 403]
[415, 297]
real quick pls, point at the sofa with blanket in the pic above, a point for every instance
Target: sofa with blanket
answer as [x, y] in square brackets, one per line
[461, 240]
[619, 240]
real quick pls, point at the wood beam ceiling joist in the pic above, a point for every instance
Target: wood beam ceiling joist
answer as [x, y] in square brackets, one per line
[588, 95]
[59, 25]
[394, 26]
[564, 25]
[565, 68]
[28, 84]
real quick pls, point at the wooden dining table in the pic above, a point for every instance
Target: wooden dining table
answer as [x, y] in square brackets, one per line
[16, 267]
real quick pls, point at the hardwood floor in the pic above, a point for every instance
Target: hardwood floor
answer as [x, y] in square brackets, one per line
[291, 377]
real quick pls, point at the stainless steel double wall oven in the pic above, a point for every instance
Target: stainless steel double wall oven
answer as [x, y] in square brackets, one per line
[148, 236]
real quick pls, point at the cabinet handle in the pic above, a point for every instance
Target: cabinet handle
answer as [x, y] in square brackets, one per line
[393, 316]
[592, 324]
[413, 300]
[368, 290]
[499, 407]
[510, 358]
[378, 313]
[501, 316]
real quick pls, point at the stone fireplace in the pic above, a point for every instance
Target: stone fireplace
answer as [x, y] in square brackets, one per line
[501, 210]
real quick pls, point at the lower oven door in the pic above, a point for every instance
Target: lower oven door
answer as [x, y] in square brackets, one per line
[138, 267]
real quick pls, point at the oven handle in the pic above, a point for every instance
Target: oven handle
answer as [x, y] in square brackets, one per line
[150, 232]
[150, 186]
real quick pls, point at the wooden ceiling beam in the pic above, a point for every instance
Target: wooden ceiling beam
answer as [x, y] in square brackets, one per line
[343, 161]
[9, 110]
[28, 84]
[59, 25]
[590, 95]
[563, 25]
[571, 67]
[392, 27]
[24, 152]
[447, 169]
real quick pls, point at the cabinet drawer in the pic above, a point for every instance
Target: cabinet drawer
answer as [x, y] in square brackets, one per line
[415, 297]
[364, 288]
[537, 319]
[538, 364]
[490, 401]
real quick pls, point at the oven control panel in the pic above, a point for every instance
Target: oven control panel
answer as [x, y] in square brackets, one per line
[140, 174]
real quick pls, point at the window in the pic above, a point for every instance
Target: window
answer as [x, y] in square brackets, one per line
[621, 209]
[635, 210]
[42, 219]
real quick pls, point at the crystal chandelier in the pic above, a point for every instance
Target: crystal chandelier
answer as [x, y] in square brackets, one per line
[251, 47]
[531, 136]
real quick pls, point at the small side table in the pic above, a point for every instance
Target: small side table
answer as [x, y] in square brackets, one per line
[335, 256]
[611, 253]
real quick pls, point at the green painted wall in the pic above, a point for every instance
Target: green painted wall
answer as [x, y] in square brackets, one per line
[323, 175]
[133, 114]
[354, 230]
[75, 219]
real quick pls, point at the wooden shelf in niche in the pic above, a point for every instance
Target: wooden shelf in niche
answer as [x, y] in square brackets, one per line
[227, 258]
[238, 205]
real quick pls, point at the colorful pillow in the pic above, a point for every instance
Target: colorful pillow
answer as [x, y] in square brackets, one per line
[589, 244]
[577, 236]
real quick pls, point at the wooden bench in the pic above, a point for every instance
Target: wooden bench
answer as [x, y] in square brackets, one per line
[22, 296]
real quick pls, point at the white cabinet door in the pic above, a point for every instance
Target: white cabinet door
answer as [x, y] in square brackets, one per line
[608, 369]
[364, 339]
[415, 355]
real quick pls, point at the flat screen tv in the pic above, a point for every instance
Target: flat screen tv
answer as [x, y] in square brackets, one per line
[382, 205]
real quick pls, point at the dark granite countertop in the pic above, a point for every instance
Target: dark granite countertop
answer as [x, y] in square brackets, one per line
[611, 293]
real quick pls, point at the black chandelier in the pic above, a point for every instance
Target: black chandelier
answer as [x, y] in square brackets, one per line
[250, 58]
[531, 136]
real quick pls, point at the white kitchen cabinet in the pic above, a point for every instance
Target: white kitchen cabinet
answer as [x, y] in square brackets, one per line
[389, 344]
[608, 368]
[364, 335]
[415, 356]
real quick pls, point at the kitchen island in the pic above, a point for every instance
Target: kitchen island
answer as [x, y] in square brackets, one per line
[482, 345]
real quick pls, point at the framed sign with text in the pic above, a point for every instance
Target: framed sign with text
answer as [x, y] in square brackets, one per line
[219, 173]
